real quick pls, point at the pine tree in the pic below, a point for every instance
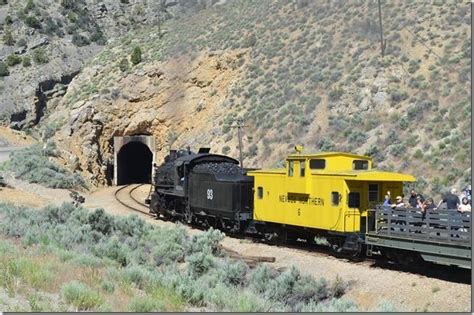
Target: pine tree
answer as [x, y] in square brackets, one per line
[136, 55]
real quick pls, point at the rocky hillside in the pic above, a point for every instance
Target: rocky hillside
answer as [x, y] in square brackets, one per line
[44, 44]
[294, 72]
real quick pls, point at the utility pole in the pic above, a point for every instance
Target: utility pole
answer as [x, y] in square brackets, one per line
[382, 43]
[239, 127]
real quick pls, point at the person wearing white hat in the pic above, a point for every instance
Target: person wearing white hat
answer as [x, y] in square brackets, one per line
[398, 202]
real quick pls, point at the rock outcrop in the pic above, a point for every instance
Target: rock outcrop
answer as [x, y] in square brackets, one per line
[157, 100]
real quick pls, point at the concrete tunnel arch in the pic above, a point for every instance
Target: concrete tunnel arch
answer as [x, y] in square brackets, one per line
[133, 159]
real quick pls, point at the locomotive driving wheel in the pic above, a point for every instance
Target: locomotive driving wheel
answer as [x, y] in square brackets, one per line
[188, 215]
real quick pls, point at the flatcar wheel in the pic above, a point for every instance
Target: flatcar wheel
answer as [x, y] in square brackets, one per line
[356, 256]
[336, 246]
[407, 258]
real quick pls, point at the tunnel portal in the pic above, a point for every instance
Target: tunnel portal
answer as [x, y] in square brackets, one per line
[134, 157]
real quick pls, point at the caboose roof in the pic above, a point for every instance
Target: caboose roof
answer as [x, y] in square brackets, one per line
[362, 175]
[367, 175]
[328, 154]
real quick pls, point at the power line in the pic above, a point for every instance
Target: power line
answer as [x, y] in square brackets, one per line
[416, 37]
[422, 42]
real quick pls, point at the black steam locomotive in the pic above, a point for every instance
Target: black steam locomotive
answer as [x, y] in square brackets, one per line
[203, 188]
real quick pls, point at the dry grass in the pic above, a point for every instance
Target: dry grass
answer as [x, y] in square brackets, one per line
[34, 271]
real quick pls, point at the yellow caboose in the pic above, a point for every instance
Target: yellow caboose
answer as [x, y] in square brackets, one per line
[328, 192]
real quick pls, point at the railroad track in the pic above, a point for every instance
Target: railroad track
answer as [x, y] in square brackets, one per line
[130, 201]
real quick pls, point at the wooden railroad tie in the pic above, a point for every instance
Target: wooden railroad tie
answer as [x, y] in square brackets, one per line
[233, 254]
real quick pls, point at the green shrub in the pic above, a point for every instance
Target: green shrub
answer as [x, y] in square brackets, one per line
[137, 275]
[145, 305]
[32, 164]
[206, 242]
[234, 273]
[4, 69]
[253, 150]
[8, 38]
[30, 5]
[113, 248]
[108, 286]
[418, 154]
[100, 221]
[225, 150]
[325, 144]
[200, 263]
[397, 149]
[81, 296]
[386, 307]
[260, 278]
[124, 65]
[8, 20]
[250, 40]
[357, 137]
[169, 245]
[333, 305]
[40, 56]
[98, 37]
[413, 66]
[87, 260]
[33, 22]
[335, 94]
[13, 60]
[21, 42]
[247, 302]
[280, 289]
[398, 96]
[136, 57]
[80, 40]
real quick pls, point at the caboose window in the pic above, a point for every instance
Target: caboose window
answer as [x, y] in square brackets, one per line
[260, 192]
[317, 164]
[373, 192]
[354, 200]
[335, 198]
[302, 168]
[360, 165]
[290, 168]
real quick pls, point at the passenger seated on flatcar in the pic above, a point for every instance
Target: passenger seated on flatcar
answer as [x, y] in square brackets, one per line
[466, 192]
[419, 209]
[387, 202]
[413, 200]
[398, 203]
[429, 204]
[464, 206]
[419, 203]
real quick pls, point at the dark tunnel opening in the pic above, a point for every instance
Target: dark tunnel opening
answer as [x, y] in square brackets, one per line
[134, 163]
